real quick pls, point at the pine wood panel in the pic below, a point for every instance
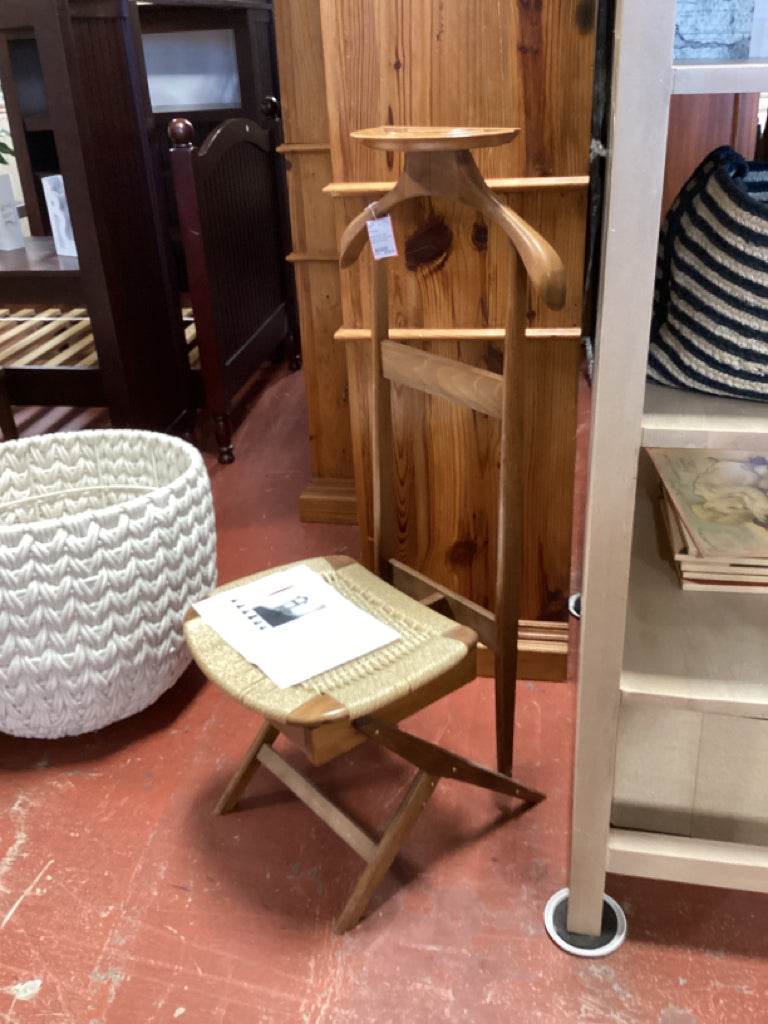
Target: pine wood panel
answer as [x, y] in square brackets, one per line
[330, 495]
[313, 229]
[477, 63]
[330, 444]
[427, 62]
[319, 301]
[301, 71]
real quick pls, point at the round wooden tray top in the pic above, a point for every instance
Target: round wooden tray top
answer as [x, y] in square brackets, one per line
[411, 139]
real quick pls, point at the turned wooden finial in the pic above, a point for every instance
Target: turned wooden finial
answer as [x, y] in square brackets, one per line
[181, 132]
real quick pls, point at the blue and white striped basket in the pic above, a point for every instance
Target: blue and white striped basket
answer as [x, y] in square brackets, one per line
[709, 330]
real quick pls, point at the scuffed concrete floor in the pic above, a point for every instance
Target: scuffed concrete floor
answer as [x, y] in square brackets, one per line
[124, 901]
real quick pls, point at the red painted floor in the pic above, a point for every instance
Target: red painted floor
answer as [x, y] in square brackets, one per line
[124, 901]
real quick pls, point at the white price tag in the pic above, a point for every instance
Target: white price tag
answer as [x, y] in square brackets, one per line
[382, 237]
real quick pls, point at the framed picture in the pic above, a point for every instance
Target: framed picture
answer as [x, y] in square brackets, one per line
[58, 213]
[11, 236]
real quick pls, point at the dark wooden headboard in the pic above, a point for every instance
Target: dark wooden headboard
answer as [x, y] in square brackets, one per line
[227, 197]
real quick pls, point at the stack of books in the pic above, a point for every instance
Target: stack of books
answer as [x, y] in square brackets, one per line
[714, 506]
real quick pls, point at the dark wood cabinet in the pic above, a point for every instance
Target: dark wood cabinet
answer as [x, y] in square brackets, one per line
[71, 84]
[30, 120]
[77, 94]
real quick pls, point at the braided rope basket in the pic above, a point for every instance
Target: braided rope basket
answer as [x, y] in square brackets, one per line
[106, 538]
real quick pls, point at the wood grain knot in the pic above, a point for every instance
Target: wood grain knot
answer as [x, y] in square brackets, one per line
[585, 15]
[428, 246]
[462, 552]
[480, 237]
[494, 359]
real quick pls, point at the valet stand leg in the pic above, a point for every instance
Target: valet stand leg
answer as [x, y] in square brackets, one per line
[246, 770]
[382, 471]
[510, 534]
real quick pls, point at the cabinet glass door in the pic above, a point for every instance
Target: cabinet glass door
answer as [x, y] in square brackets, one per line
[191, 70]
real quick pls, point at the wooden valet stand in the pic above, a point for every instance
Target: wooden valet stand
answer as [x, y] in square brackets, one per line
[432, 656]
[438, 164]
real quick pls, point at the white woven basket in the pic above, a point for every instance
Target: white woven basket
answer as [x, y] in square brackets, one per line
[106, 538]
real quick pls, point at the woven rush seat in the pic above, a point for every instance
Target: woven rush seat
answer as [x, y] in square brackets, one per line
[106, 536]
[429, 645]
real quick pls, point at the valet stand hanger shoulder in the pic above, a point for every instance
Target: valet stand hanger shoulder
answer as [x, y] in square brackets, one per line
[438, 164]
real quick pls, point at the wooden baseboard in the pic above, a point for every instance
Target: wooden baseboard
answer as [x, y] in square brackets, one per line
[542, 652]
[328, 500]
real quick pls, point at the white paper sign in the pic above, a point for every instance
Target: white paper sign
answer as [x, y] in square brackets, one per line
[382, 237]
[58, 213]
[293, 625]
[11, 236]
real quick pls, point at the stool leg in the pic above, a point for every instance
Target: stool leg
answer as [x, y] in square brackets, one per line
[404, 819]
[246, 769]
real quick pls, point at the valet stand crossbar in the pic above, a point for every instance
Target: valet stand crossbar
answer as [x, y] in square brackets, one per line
[438, 164]
[334, 712]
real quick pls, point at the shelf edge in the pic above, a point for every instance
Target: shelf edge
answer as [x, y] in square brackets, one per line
[684, 859]
[635, 692]
[692, 77]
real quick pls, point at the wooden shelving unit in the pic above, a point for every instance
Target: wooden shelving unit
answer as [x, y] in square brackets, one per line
[671, 772]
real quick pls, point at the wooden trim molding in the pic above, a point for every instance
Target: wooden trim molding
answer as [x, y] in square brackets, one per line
[329, 500]
[311, 257]
[304, 147]
[484, 334]
[542, 652]
[348, 189]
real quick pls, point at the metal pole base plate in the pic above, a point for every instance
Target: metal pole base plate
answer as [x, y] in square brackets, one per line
[613, 929]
